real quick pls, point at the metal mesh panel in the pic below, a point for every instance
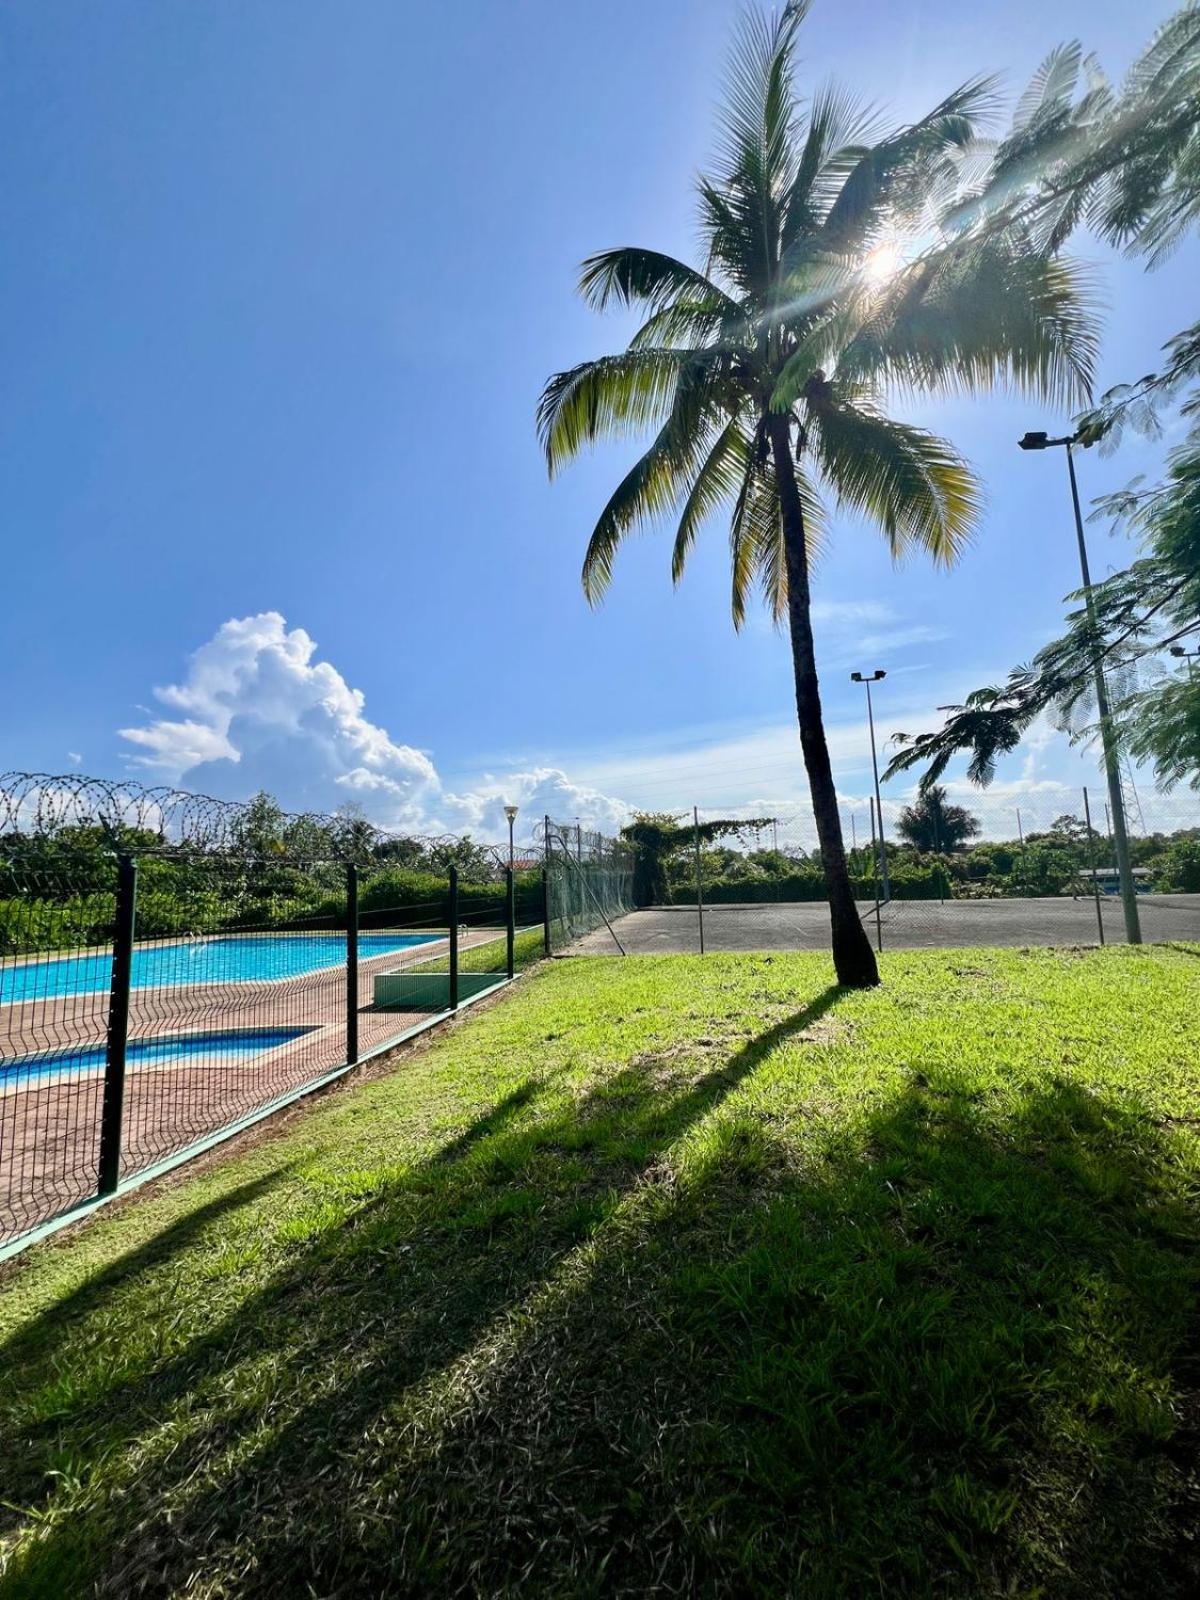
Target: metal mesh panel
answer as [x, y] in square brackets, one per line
[241, 975]
[589, 880]
[56, 922]
[171, 965]
[241, 1002]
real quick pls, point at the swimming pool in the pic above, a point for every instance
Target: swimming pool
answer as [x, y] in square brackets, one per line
[181, 1049]
[233, 958]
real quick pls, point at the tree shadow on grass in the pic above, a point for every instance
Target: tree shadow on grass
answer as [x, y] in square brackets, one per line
[92, 1292]
[372, 1303]
[932, 1349]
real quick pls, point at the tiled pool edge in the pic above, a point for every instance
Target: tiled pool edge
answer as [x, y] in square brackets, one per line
[86, 1208]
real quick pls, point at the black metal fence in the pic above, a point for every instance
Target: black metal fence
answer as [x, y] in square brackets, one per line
[154, 1001]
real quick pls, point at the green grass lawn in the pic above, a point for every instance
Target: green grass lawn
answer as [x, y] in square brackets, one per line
[491, 957]
[675, 1275]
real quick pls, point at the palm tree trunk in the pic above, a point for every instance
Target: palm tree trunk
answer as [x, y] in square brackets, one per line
[853, 958]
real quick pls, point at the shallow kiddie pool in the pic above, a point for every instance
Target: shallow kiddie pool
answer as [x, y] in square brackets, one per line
[175, 1049]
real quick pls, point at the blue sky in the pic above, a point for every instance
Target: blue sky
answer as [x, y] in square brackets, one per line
[280, 285]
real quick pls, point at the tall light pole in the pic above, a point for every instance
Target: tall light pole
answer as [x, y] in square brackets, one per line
[511, 813]
[860, 677]
[1108, 738]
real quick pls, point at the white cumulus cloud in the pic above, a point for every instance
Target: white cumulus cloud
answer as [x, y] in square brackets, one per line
[256, 709]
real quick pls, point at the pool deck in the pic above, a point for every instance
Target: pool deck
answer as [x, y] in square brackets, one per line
[49, 1128]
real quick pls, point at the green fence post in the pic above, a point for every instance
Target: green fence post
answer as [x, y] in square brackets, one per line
[112, 1107]
[454, 938]
[351, 963]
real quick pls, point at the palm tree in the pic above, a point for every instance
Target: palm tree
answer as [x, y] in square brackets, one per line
[765, 371]
[931, 823]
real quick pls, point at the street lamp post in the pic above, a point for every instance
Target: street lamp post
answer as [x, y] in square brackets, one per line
[859, 677]
[511, 813]
[1190, 656]
[1108, 741]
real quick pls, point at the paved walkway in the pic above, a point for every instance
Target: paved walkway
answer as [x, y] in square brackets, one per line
[904, 925]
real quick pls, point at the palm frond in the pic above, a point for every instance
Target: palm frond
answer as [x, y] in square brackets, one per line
[690, 324]
[659, 479]
[870, 190]
[907, 480]
[757, 158]
[745, 533]
[610, 395]
[717, 481]
[839, 131]
[981, 316]
[650, 488]
[734, 223]
[820, 345]
[756, 547]
[629, 274]
[1051, 89]
[758, 110]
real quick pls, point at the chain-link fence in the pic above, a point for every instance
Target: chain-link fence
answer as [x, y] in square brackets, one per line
[589, 882]
[1043, 871]
[157, 994]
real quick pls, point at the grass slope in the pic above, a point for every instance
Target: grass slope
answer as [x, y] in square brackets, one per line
[672, 1275]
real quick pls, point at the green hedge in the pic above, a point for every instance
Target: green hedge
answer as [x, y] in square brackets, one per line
[927, 885]
[29, 923]
[385, 897]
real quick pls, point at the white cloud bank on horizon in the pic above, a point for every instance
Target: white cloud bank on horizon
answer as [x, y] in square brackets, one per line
[257, 710]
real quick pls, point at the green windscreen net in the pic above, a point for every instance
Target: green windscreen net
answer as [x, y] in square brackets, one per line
[589, 880]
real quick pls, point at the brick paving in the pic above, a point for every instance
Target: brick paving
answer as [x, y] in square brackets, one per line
[49, 1127]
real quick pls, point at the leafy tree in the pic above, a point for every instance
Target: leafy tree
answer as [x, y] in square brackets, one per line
[354, 837]
[930, 824]
[765, 371]
[1136, 614]
[475, 862]
[1048, 867]
[658, 838]
[1179, 869]
[1068, 829]
[259, 829]
[401, 851]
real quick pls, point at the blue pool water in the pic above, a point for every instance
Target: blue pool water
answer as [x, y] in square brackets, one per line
[232, 959]
[197, 1049]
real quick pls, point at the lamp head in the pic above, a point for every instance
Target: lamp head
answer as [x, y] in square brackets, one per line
[1034, 441]
[511, 813]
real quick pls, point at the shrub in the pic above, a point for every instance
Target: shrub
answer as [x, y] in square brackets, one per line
[1179, 868]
